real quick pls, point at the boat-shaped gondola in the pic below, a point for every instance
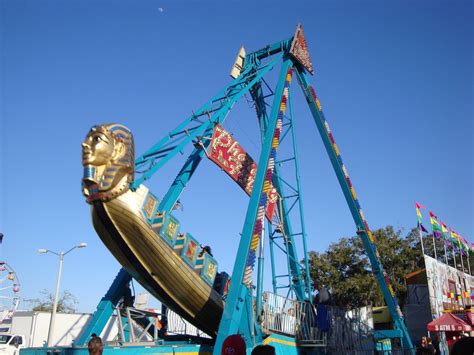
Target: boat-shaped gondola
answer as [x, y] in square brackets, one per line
[171, 265]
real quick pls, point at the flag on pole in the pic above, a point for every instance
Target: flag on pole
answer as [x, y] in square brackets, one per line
[1, 238]
[419, 205]
[465, 245]
[434, 222]
[444, 230]
[454, 238]
[418, 213]
[423, 229]
[460, 242]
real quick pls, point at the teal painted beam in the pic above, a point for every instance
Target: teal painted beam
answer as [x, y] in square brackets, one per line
[232, 314]
[351, 198]
[293, 261]
[309, 285]
[105, 308]
[272, 49]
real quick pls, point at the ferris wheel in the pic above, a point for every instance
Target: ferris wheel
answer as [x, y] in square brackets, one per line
[9, 291]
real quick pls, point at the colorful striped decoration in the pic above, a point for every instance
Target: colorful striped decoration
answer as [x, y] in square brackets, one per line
[250, 265]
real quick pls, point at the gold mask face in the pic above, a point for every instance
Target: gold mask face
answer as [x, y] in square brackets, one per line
[108, 160]
[97, 149]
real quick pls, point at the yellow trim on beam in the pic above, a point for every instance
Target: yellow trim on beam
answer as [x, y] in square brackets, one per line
[279, 341]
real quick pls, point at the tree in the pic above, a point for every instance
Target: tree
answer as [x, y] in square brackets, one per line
[346, 269]
[67, 302]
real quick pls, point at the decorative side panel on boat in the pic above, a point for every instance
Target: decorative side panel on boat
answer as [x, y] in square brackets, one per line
[227, 153]
[190, 250]
[151, 204]
[169, 230]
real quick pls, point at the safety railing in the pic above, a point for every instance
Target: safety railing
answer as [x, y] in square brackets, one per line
[178, 325]
[137, 326]
[279, 314]
[334, 329]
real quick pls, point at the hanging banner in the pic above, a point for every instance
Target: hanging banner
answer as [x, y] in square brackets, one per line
[227, 153]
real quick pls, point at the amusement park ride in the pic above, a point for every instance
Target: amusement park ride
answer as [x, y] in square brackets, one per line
[142, 233]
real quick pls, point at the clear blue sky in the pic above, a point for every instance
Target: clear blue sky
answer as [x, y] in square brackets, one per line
[395, 79]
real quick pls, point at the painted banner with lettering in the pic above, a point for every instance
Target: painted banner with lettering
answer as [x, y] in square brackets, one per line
[227, 153]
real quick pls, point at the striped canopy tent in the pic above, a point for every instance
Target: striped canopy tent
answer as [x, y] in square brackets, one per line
[448, 322]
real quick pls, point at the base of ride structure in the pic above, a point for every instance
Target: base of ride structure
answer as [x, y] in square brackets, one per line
[282, 344]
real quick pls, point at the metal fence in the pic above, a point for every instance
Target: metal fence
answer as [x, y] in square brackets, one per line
[178, 325]
[349, 332]
[331, 329]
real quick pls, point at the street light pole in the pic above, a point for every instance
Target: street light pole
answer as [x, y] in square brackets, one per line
[55, 303]
[56, 293]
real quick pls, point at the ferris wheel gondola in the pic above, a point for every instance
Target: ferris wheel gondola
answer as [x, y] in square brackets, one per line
[9, 291]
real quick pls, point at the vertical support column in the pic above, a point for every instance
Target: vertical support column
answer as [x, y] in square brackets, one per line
[272, 258]
[231, 317]
[308, 280]
[295, 278]
[363, 229]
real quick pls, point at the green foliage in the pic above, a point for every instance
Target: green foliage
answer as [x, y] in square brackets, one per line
[67, 302]
[346, 270]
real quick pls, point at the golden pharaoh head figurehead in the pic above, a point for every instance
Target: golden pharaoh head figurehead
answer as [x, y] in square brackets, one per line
[108, 160]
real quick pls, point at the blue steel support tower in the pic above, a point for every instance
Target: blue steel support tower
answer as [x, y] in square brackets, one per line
[239, 315]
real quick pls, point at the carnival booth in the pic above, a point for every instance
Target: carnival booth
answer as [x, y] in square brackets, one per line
[451, 325]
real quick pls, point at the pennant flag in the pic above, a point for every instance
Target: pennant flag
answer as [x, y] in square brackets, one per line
[437, 234]
[423, 229]
[460, 243]
[465, 245]
[454, 236]
[419, 205]
[418, 213]
[444, 230]
[472, 246]
[1, 238]
[434, 223]
[455, 239]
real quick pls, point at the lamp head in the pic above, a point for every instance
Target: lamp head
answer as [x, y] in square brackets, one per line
[42, 251]
[82, 245]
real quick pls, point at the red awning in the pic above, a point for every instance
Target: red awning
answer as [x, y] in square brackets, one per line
[448, 323]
